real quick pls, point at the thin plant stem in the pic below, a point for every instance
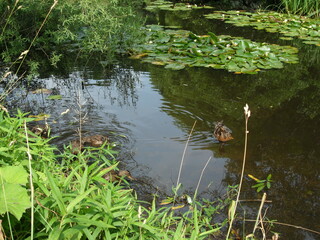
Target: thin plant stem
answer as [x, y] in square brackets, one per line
[7, 21]
[35, 37]
[247, 113]
[6, 206]
[286, 224]
[80, 117]
[31, 180]
[184, 153]
[205, 166]
[24, 54]
[259, 213]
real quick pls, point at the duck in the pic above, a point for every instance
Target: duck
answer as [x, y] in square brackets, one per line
[116, 176]
[41, 130]
[95, 140]
[89, 141]
[76, 147]
[221, 132]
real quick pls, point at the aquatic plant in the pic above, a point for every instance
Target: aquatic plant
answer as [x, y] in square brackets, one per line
[177, 49]
[171, 6]
[290, 26]
[261, 183]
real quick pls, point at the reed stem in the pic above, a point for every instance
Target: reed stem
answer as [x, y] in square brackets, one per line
[184, 153]
[247, 114]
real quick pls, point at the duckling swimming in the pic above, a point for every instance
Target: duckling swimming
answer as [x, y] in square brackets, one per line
[115, 176]
[95, 140]
[89, 141]
[221, 132]
[41, 130]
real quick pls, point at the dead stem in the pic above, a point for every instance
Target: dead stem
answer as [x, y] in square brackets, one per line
[247, 114]
[205, 166]
[259, 216]
[30, 179]
[286, 224]
[184, 153]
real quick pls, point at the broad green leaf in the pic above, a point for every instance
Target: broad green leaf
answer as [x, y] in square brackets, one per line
[14, 174]
[14, 199]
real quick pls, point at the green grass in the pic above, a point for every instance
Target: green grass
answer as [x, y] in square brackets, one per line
[310, 8]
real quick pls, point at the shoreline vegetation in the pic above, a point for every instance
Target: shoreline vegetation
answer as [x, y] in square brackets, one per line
[45, 195]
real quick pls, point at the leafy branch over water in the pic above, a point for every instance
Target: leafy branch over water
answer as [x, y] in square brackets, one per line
[176, 49]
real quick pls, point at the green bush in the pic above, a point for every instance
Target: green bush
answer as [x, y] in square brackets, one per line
[108, 26]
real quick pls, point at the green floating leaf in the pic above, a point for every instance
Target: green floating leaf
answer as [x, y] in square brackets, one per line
[288, 25]
[185, 48]
[175, 66]
[286, 38]
[54, 97]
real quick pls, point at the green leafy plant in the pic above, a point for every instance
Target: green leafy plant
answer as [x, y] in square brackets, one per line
[262, 184]
[177, 49]
[13, 142]
[14, 197]
[108, 27]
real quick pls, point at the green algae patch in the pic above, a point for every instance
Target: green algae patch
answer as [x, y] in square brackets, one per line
[170, 6]
[177, 49]
[290, 26]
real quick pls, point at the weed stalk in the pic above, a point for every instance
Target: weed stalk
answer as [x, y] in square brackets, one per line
[184, 153]
[31, 181]
[247, 114]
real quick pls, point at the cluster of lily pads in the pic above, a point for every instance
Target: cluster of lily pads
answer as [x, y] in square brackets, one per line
[170, 6]
[177, 49]
[290, 26]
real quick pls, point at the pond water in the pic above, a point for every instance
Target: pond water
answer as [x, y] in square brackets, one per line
[149, 111]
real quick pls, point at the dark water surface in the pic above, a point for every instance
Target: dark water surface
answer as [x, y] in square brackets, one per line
[149, 111]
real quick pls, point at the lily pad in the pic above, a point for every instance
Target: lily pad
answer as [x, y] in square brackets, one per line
[175, 66]
[307, 29]
[170, 6]
[186, 49]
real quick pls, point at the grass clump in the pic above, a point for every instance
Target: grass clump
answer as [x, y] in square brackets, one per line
[302, 7]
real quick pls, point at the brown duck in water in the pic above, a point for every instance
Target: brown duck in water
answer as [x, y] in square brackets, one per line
[116, 176]
[41, 130]
[221, 132]
[89, 141]
[95, 140]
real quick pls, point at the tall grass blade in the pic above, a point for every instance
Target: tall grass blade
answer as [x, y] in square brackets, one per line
[56, 194]
[78, 199]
